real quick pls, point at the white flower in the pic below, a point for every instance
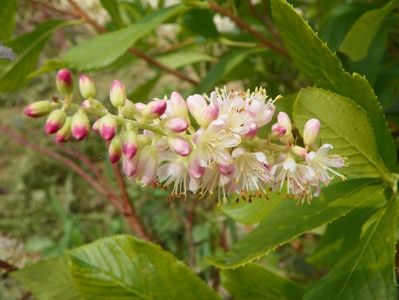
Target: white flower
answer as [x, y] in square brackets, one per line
[212, 143]
[323, 164]
[296, 176]
[251, 172]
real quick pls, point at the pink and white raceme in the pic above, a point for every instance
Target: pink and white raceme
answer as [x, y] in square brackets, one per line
[208, 145]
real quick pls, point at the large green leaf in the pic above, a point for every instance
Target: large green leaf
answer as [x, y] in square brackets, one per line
[257, 283]
[254, 212]
[341, 236]
[8, 9]
[49, 279]
[345, 126]
[28, 48]
[357, 41]
[104, 49]
[123, 267]
[313, 58]
[287, 220]
[367, 272]
[222, 68]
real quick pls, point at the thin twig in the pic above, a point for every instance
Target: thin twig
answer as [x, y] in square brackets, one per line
[128, 209]
[107, 192]
[246, 27]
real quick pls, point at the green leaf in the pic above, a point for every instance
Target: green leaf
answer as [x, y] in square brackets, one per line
[257, 283]
[123, 267]
[254, 212]
[287, 220]
[104, 49]
[340, 237]
[223, 67]
[313, 58]
[367, 272]
[200, 21]
[184, 57]
[345, 126]
[49, 279]
[357, 41]
[112, 8]
[28, 48]
[8, 9]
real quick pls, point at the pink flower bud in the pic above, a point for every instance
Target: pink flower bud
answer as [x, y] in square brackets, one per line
[300, 151]
[196, 169]
[117, 94]
[176, 124]
[197, 107]
[180, 146]
[115, 149]
[38, 109]
[211, 113]
[311, 131]
[107, 127]
[80, 125]
[64, 82]
[226, 169]
[130, 165]
[64, 133]
[87, 87]
[178, 106]
[147, 166]
[129, 143]
[54, 121]
[284, 120]
[278, 130]
[265, 116]
[156, 108]
[252, 130]
[96, 126]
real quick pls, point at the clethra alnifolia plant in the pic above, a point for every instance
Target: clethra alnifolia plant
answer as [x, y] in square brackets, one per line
[209, 145]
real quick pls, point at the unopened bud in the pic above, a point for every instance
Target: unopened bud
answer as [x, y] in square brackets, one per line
[117, 94]
[180, 146]
[284, 120]
[80, 125]
[300, 151]
[107, 127]
[147, 167]
[211, 113]
[176, 124]
[278, 131]
[115, 149]
[64, 82]
[311, 131]
[64, 133]
[87, 87]
[178, 106]
[54, 121]
[130, 165]
[156, 108]
[129, 144]
[38, 109]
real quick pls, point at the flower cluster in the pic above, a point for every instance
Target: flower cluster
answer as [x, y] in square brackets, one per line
[221, 144]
